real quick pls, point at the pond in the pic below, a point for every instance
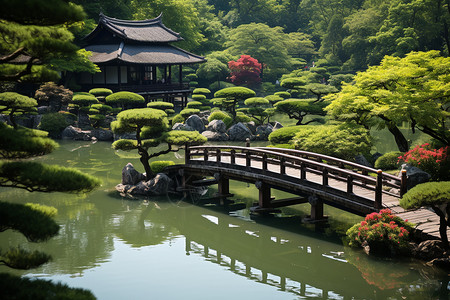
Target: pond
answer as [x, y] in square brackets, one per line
[172, 248]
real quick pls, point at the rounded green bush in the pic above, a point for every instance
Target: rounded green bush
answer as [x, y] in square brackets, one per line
[388, 161]
[220, 115]
[100, 92]
[159, 166]
[256, 101]
[284, 95]
[193, 83]
[177, 119]
[198, 97]
[238, 92]
[162, 105]
[53, 123]
[123, 98]
[284, 135]
[187, 112]
[194, 104]
[274, 99]
[201, 91]
[241, 117]
[84, 99]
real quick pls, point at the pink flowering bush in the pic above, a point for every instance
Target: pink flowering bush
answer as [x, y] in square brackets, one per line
[383, 232]
[435, 162]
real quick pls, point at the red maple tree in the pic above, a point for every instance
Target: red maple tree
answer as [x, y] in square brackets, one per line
[245, 71]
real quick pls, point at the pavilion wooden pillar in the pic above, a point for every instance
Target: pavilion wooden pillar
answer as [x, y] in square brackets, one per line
[180, 75]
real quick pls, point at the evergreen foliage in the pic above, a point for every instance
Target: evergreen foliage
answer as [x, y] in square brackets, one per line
[284, 135]
[14, 104]
[159, 165]
[298, 109]
[53, 95]
[220, 115]
[388, 161]
[150, 122]
[14, 287]
[343, 141]
[125, 99]
[84, 99]
[100, 92]
[230, 97]
[53, 123]
[435, 195]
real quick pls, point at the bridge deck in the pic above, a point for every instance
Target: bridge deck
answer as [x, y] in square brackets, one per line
[426, 220]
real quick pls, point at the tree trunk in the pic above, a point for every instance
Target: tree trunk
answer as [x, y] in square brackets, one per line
[400, 140]
[442, 226]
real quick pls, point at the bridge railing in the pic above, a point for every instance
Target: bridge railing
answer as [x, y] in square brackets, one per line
[306, 162]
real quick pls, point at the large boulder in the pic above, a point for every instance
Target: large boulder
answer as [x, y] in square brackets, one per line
[157, 186]
[215, 136]
[75, 133]
[181, 126]
[277, 125]
[130, 176]
[414, 176]
[196, 123]
[217, 126]
[239, 132]
[362, 160]
[263, 131]
[102, 134]
[251, 126]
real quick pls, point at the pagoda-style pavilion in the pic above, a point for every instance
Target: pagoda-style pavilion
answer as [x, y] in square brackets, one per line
[137, 56]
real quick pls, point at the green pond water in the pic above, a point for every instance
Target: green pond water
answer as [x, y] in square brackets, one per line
[172, 248]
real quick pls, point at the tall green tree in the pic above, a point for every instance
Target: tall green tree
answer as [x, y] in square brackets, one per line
[266, 44]
[414, 89]
[36, 35]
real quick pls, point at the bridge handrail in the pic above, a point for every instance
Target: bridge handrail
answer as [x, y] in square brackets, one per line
[338, 161]
[260, 151]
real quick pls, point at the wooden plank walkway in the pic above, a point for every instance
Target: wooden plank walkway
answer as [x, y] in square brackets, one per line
[426, 220]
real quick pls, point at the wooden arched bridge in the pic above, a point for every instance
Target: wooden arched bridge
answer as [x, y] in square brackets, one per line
[312, 177]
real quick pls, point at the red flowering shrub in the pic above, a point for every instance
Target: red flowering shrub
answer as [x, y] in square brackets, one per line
[435, 162]
[245, 71]
[383, 232]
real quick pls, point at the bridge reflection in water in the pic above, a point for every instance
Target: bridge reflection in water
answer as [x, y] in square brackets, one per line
[283, 260]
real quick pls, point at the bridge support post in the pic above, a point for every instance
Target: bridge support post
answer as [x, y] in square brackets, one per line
[223, 188]
[316, 208]
[264, 194]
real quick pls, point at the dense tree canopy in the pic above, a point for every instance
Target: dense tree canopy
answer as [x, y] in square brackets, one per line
[414, 89]
[36, 34]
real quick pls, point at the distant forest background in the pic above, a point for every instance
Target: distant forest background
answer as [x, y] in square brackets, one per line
[343, 35]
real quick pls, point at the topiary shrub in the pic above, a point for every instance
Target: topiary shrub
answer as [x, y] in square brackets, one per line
[54, 124]
[274, 99]
[159, 166]
[220, 115]
[125, 99]
[198, 97]
[162, 105]
[177, 119]
[284, 135]
[84, 99]
[100, 92]
[389, 161]
[187, 112]
[383, 232]
[220, 85]
[193, 84]
[194, 105]
[435, 195]
[284, 95]
[203, 91]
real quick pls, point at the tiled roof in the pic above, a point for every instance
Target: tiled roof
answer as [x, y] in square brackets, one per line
[152, 30]
[142, 54]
